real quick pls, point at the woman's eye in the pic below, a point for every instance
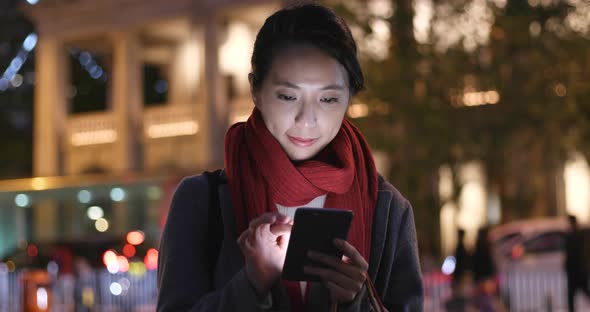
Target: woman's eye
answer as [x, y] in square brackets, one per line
[286, 97]
[330, 100]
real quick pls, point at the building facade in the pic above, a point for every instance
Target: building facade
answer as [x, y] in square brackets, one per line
[129, 97]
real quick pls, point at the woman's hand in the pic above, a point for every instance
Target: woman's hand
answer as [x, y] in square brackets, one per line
[343, 277]
[264, 245]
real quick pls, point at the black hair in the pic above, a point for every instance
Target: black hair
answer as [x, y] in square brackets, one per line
[311, 24]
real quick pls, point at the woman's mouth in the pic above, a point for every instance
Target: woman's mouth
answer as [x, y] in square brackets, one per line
[302, 142]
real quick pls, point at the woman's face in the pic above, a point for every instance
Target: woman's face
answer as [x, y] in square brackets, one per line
[303, 100]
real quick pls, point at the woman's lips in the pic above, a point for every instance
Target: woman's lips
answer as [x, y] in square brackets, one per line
[301, 141]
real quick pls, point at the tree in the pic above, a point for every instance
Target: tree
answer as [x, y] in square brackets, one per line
[533, 54]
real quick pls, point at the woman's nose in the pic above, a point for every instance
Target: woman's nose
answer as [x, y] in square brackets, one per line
[307, 115]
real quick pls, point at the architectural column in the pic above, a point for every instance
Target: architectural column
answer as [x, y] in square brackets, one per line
[50, 106]
[217, 105]
[52, 71]
[127, 101]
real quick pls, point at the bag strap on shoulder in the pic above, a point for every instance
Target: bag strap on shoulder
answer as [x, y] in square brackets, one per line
[214, 219]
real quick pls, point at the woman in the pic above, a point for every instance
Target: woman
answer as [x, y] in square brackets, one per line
[295, 150]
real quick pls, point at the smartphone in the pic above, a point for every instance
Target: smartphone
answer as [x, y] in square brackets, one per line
[314, 229]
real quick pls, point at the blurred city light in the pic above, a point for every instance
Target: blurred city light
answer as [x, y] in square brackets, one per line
[135, 237]
[560, 90]
[8, 77]
[358, 110]
[101, 225]
[109, 256]
[117, 194]
[32, 250]
[129, 250]
[94, 213]
[240, 40]
[52, 268]
[88, 297]
[116, 288]
[576, 176]
[448, 266]
[125, 283]
[84, 196]
[11, 266]
[535, 29]
[3, 268]
[113, 267]
[172, 129]
[4, 83]
[137, 268]
[481, 98]
[32, 2]
[39, 184]
[17, 80]
[151, 259]
[154, 193]
[93, 137]
[30, 42]
[22, 200]
[42, 298]
[123, 264]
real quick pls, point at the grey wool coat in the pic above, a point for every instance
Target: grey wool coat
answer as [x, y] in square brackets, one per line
[187, 282]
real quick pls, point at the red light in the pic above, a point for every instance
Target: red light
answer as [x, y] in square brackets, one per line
[517, 251]
[151, 259]
[32, 250]
[129, 251]
[135, 237]
[123, 264]
[108, 257]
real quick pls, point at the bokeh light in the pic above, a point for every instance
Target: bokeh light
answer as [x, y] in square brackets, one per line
[449, 264]
[94, 213]
[123, 264]
[151, 259]
[101, 225]
[84, 196]
[137, 268]
[116, 288]
[117, 194]
[135, 237]
[129, 250]
[32, 250]
[52, 268]
[22, 200]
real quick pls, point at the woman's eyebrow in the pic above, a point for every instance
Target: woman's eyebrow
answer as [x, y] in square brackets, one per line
[294, 86]
[285, 84]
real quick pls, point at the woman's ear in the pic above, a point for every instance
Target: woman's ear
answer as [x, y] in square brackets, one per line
[253, 91]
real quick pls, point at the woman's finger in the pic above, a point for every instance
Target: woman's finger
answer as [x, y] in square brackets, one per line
[351, 270]
[281, 229]
[351, 252]
[269, 217]
[329, 275]
[339, 293]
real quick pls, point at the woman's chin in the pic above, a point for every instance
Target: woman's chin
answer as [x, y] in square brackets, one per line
[301, 155]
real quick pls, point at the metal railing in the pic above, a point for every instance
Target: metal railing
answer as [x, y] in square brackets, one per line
[97, 291]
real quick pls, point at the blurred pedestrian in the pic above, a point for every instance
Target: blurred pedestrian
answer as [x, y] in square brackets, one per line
[577, 275]
[461, 258]
[484, 274]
